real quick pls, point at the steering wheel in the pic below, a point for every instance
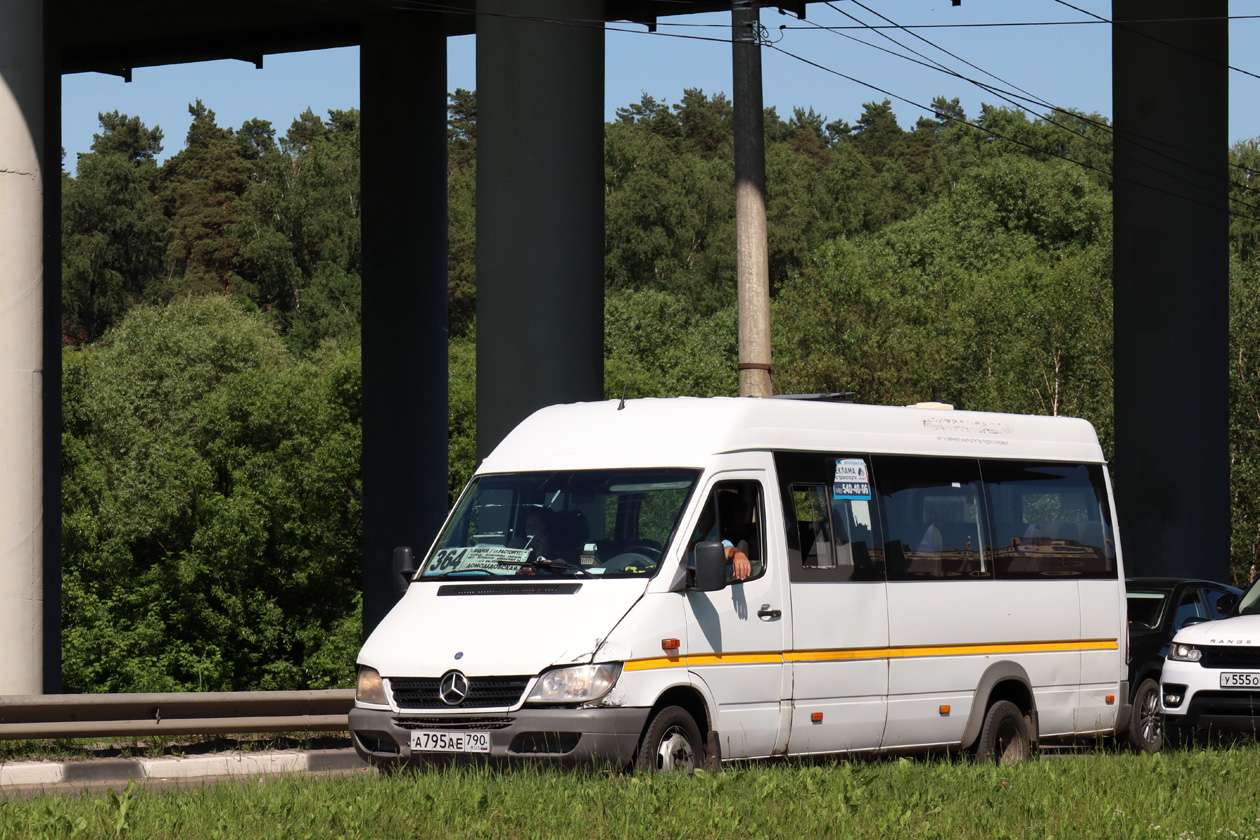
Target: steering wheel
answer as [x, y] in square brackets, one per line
[634, 558]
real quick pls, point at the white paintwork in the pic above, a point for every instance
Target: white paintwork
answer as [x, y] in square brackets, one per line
[21, 346]
[1241, 631]
[751, 696]
[914, 633]
[485, 629]
[850, 694]
[687, 432]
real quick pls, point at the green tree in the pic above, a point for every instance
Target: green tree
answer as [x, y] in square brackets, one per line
[656, 345]
[995, 298]
[113, 230]
[204, 183]
[211, 507]
[298, 222]
[461, 257]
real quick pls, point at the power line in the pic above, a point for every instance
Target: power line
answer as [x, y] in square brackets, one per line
[1127, 26]
[1030, 97]
[595, 23]
[1013, 23]
[999, 136]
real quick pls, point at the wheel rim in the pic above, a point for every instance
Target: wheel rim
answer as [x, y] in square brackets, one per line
[1009, 744]
[1150, 720]
[675, 752]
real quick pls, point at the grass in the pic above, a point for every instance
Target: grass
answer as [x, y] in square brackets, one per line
[1206, 794]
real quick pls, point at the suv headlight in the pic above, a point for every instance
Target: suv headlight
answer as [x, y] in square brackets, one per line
[369, 688]
[1184, 653]
[580, 684]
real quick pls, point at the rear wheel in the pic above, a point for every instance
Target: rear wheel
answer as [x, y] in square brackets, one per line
[671, 743]
[1004, 735]
[1146, 723]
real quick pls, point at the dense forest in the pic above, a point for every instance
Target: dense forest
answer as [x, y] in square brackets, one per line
[211, 321]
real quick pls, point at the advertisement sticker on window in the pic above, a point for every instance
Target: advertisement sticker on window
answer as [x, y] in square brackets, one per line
[852, 480]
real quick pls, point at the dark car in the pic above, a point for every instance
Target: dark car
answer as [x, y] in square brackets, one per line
[1158, 608]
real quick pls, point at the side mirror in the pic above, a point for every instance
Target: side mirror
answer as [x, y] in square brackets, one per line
[404, 569]
[1226, 603]
[710, 568]
[1194, 619]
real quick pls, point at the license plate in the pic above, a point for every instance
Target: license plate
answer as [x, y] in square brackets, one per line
[429, 740]
[1232, 679]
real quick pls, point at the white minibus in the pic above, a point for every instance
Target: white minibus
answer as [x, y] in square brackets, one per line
[666, 583]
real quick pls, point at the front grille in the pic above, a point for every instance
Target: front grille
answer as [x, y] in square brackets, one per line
[453, 723]
[483, 692]
[1229, 656]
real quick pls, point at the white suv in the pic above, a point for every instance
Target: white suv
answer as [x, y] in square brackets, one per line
[1211, 677]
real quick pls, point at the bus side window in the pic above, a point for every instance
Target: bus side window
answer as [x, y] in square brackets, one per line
[1049, 520]
[935, 524]
[814, 526]
[830, 517]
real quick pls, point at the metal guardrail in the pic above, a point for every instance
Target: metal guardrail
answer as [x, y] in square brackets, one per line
[185, 713]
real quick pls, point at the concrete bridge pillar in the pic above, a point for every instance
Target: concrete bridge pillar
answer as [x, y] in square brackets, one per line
[22, 176]
[1170, 189]
[403, 94]
[540, 209]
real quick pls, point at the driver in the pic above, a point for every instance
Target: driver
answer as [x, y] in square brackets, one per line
[737, 533]
[732, 513]
[534, 533]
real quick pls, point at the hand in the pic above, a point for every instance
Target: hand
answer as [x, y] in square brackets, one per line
[740, 564]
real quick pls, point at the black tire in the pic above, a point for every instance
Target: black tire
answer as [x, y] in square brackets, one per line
[1146, 721]
[1004, 735]
[671, 743]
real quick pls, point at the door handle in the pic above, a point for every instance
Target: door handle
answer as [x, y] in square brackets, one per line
[766, 612]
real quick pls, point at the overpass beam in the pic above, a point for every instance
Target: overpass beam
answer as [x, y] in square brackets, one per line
[22, 176]
[1170, 86]
[540, 209]
[403, 94]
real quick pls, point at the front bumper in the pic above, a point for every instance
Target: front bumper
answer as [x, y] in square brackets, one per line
[606, 736]
[1203, 702]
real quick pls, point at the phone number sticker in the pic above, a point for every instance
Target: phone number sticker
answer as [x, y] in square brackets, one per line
[852, 481]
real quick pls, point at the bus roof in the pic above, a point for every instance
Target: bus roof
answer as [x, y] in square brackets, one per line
[687, 431]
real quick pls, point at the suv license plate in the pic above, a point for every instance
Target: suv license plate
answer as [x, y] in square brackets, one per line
[1233, 679]
[429, 740]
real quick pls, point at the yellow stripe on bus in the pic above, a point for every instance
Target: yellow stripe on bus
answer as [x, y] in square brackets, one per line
[848, 654]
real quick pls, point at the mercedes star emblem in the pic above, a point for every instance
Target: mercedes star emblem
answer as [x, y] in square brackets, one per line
[454, 688]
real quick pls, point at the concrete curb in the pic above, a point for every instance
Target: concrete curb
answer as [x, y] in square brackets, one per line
[123, 770]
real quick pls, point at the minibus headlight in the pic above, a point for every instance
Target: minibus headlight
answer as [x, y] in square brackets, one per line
[580, 684]
[1185, 653]
[370, 689]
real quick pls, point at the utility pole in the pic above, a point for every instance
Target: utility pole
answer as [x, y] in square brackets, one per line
[752, 251]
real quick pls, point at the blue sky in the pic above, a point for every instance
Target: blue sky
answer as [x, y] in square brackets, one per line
[1063, 65]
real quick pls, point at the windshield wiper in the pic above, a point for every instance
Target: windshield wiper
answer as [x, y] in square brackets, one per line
[544, 563]
[457, 573]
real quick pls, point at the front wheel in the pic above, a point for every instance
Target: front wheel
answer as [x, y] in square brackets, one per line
[1004, 735]
[1146, 722]
[671, 743]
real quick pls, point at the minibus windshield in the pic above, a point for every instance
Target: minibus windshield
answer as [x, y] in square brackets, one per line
[571, 523]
